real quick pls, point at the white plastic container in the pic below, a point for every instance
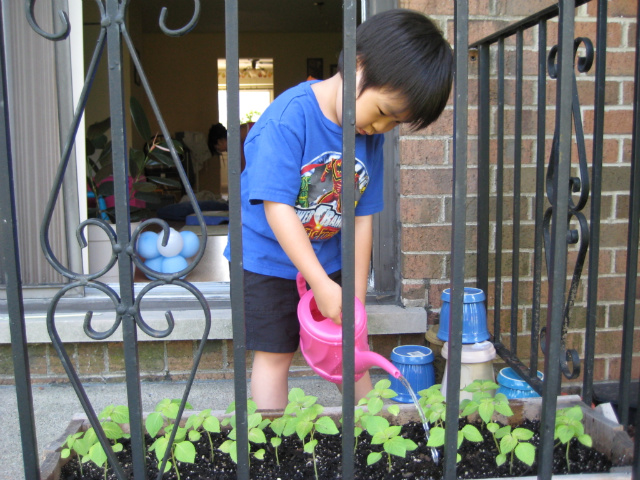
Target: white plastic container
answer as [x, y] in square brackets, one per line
[477, 364]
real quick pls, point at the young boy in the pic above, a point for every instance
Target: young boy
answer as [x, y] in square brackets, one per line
[291, 208]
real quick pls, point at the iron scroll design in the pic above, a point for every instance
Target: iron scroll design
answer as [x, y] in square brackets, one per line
[127, 306]
[578, 186]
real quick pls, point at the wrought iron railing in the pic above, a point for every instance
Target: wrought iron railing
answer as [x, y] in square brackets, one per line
[552, 231]
[559, 213]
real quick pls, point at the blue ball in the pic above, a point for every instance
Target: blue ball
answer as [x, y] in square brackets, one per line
[191, 244]
[147, 245]
[154, 264]
[174, 264]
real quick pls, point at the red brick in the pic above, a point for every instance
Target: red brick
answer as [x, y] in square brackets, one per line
[432, 239]
[615, 121]
[614, 368]
[230, 355]
[37, 359]
[55, 365]
[383, 344]
[426, 182]
[628, 92]
[151, 357]
[418, 266]
[610, 342]
[618, 8]
[420, 210]
[413, 291]
[523, 9]
[213, 356]
[617, 315]
[422, 152]
[620, 63]
[116, 357]
[429, 7]
[91, 358]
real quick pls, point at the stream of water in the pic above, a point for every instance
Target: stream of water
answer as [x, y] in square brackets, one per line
[434, 452]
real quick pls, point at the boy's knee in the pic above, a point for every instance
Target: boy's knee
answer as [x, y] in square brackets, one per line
[274, 360]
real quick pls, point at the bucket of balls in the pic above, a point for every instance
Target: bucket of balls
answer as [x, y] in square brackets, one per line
[170, 258]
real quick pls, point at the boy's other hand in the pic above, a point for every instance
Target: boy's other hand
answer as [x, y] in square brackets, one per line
[328, 295]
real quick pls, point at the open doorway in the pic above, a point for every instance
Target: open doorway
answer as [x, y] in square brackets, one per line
[256, 93]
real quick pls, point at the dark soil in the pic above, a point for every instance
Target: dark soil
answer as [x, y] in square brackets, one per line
[478, 461]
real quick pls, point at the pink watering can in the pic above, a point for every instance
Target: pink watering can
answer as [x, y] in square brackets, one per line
[321, 340]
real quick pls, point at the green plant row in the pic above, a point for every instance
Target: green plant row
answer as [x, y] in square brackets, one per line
[303, 417]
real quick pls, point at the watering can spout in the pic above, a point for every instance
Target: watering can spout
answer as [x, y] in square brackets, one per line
[367, 359]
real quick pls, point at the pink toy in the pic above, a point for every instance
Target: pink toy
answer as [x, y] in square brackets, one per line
[321, 340]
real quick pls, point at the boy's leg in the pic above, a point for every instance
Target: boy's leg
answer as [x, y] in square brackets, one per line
[270, 379]
[362, 387]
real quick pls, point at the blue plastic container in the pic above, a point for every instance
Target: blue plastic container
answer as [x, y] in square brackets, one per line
[415, 363]
[474, 316]
[513, 386]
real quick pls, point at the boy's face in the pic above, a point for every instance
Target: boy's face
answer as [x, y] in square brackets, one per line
[378, 110]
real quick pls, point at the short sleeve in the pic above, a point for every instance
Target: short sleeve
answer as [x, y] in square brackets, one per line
[273, 164]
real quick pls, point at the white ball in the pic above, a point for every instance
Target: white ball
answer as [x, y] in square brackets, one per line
[174, 244]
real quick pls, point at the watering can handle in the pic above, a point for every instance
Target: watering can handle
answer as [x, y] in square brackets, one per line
[302, 284]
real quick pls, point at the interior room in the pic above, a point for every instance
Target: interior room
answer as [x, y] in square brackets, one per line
[281, 44]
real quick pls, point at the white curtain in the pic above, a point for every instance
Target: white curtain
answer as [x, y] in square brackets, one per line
[34, 137]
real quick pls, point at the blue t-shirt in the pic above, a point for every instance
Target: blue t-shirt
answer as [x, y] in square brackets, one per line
[293, 155]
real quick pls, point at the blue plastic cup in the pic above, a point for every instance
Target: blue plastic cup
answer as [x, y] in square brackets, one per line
[513, 386]
[415, 363]
[474, 316]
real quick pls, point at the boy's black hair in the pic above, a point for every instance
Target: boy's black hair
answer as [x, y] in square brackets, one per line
[404, 51]
[216, 132]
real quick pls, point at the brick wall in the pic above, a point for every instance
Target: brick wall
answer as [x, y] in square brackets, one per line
[159, 360]
[426, 176]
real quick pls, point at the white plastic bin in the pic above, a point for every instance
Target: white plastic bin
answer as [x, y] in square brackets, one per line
[477, 364]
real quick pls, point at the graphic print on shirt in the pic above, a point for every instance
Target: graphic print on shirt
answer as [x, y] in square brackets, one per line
[318, 205]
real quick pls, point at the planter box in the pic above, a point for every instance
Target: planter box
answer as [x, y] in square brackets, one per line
[608, 437]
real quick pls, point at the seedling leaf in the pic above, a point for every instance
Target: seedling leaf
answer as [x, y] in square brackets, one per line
[373, 457]
[526, 453]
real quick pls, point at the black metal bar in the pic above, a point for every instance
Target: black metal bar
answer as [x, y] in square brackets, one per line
[484, 163]
[9, 251]
[499, 195]
[596, 187]
[517, 193]
[632, 250]
[121, 195]
[557, 266]
[235, 234]
[538, 254]
[348, 237]
[458, 233]
[530, 21]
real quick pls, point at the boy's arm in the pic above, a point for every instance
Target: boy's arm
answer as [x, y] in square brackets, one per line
[293, 239]
[364, 243]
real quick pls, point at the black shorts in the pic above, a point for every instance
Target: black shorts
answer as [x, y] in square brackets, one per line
[271, 312]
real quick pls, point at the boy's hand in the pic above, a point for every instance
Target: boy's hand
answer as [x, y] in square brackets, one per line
[328, 295]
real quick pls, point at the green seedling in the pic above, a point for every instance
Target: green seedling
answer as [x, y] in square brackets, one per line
[484, 402]
[206, 422]
[76, 444]
[255, 424]
[307, 421]
[389, 437]
[569, 426]
[468, 432]
[433, 403]
[514, 442]
[87, 446]
[277, 426]
[166, 411]
[374, 404]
